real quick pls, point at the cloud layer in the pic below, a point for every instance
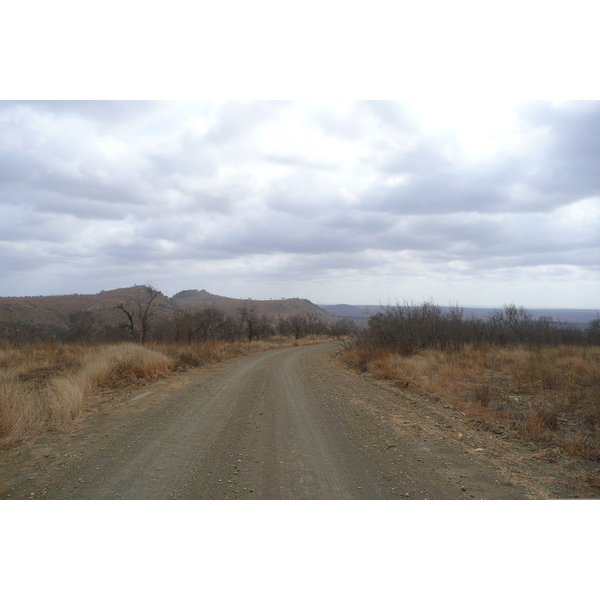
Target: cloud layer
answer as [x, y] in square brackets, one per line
[338, 202]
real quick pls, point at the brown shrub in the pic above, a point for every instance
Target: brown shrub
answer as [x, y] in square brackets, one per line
[483, 394]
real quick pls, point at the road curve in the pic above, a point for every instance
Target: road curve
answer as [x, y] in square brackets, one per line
[286, 424]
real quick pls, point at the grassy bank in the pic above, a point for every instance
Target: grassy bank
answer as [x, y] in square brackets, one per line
[550, 394]
[47, 386]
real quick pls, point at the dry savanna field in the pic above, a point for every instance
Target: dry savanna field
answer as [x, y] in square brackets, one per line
[549, 394]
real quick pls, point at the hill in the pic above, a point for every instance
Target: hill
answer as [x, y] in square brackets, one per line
[190, 300]
[52, 313]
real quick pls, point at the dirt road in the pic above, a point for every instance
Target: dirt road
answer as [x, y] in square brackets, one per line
[287, 424]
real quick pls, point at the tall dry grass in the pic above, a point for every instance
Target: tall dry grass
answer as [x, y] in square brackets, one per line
[48, 386]
[550, 393]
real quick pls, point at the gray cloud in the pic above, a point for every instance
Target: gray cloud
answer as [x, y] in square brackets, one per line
[395, 116]
[102, 112]
[568, 162]
[279, 190]
[331, 123]
[239, 119]
[301, 162]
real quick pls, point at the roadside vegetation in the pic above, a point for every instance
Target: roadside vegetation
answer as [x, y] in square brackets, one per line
[536, 377]
[48, 386]
[48, 381]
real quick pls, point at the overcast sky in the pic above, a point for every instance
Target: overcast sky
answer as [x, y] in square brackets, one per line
[480, 203]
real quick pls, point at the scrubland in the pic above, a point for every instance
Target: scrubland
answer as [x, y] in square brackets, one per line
[547, 393]
[48, 386]
[537, 377]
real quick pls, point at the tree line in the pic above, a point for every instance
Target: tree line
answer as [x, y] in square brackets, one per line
[408, 328]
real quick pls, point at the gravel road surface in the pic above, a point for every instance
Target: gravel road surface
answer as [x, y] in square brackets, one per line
[286, 424]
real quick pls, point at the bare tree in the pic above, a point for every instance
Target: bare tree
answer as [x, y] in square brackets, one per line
[298, 325]
[144, 307]
[343, 327]
[83, 324]
[518, 321]
[208, 323]
[130, 313]
[147, 308]
[17, 333]
[456, 325]
[593, 330]
[249, 320]
[199, 325]
[314, 324]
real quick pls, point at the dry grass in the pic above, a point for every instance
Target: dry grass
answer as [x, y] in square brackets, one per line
[550, 394]
[47, 386]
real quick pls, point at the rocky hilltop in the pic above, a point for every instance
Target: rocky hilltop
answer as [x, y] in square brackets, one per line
[190, 300]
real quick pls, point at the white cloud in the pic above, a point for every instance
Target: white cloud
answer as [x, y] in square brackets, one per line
[325, 200]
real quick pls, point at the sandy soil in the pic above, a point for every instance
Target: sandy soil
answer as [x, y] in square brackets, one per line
[287, 424]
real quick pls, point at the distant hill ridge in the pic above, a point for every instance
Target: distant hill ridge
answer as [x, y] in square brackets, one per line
[54, 311]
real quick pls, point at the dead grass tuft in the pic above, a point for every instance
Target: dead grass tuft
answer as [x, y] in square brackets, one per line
[48, 386]
[21, 410]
